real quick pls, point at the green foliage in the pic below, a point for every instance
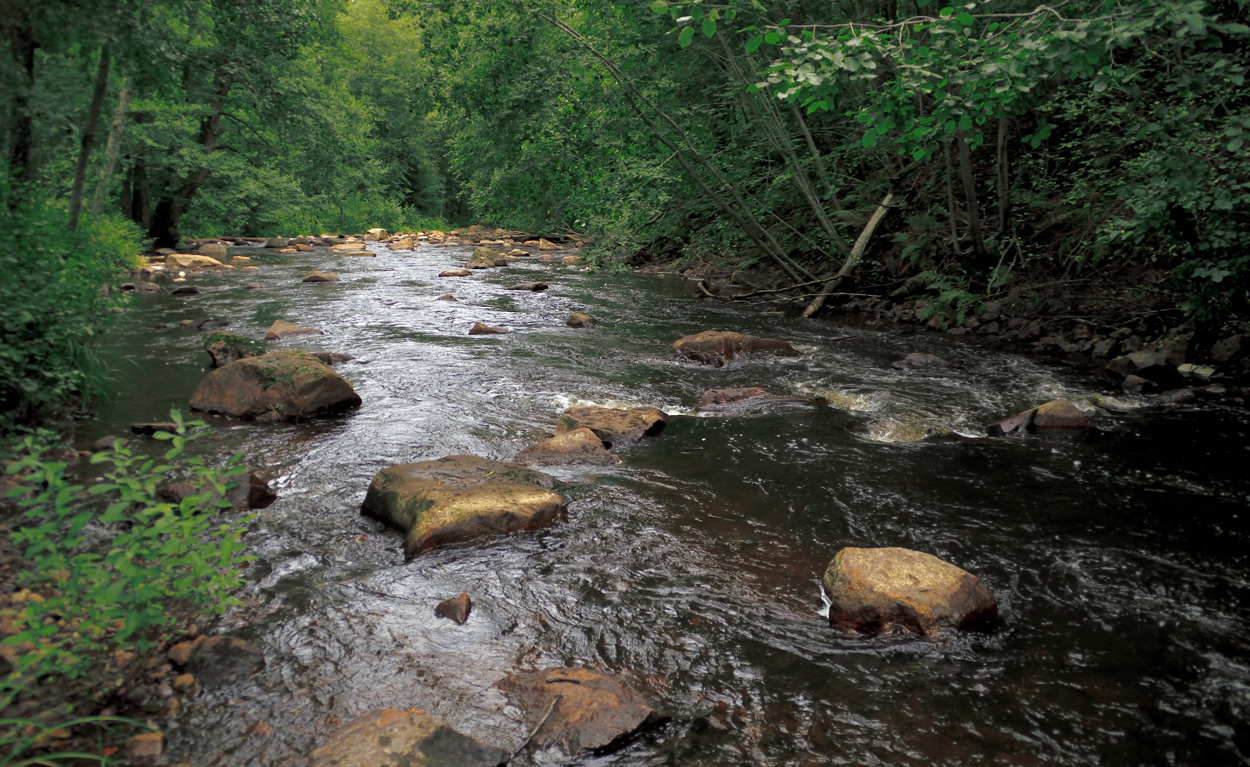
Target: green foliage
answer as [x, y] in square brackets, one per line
[112, 570]
[19, 738]
[51, 306]
[947, 299]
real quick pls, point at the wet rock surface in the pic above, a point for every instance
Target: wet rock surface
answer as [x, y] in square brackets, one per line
[316, 276]
[589, 711]
[718, 348]
[283, 386]
[222, 660]
[282, 329]
[486, 258]
[580, 320]
[616, 428]
[533, 287]
[461, 498]
[580, 446]
[456, 609]
[413, 738]
[919, 361]
[482, 329]
[1055, 416]
[874, 591]
[224, 347]
[748, 398]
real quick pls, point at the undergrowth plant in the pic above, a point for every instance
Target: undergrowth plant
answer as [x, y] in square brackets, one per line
[110, 570]
[948, 297]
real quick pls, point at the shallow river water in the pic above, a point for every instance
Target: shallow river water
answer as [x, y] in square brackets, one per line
[1119, 557]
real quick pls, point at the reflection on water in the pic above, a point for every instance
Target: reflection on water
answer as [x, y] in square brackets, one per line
[1118, 557]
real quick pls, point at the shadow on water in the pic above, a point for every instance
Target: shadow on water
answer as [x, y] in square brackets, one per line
[1118, 557]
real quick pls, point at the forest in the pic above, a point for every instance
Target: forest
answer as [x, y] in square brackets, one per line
[1002, 142]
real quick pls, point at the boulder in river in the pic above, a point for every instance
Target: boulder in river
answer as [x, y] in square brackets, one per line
[286, 385]
[748, 398]
[616, 428]
[240, 261]
[718, 348]
[456, 609]
[455, 273]
[533, 287]
[376, 234]
[1151, 366]
[580, 446]
[872, 591]
[332, 358]
[213, 250]
[226, 347]
[580, 320]
[275, 242]
[224, 660]
[446, 297]
[1055, 416]
[251, 493]
[282, 329]
[571, 260]
[485, 258]
[461, 498]
[392, 738]
[356, 253]
[190, 261]
[547, 245]
[919, 361]
[204, 324]
[316, 276]
[150, 428]
[185, 290]
[589, 711]
[482, 329]
[344, 246]
[404, 243]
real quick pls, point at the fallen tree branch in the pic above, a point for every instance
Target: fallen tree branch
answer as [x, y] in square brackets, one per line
[857, 253]
[537, 727]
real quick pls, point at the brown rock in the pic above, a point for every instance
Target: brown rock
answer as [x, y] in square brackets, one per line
[189, 261]
[591, 712]
[1056, 415]
[303, 247]
[275, 242]
[579, 320]
[146, 748]
[225, 347]
[332, 358]
[376, 234]
[579, 446]
[184, 682]
[176, 492]
[456, 608]
[482, 329]
[316, 276]
[402, 244]
[392, 738]
[1152, 366]
[455, 273]
[344, 247]
[877, 590]
[285, 385]
[615, 427]
[547, 245]
[282, 329]
[357, 253]
[485, 258]
[240, 261]
[251, 493]
[718, 348]
[530, 286]
[180, 654]
[225, 660]
[212, 249]
[918, 361]
[1226, 349]
[747, 398]
[460, 498]
[571, 260]
[446, 297]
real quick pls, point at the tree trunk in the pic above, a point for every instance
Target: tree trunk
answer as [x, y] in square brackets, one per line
[114, 146]
[169, 210]
[1004, 179]
[970, 194]
[817, 158]
[951, 203]
[141, 206]
[21, 36]
[857, 253]
[88, 137]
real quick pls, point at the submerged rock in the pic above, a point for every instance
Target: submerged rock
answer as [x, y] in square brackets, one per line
[461, 498]
[224, 660]
[185, 290]
[455, 273]
[204, 324]
[276, 242]
[919, 361]
[316, 276]
[446, 297]
[579, 446]
[589, 711]
[616, 428]
[282, 329]
[456, 608]
[393, 738]
[357, 253]
[482, 329]
[1055, 416]
[718, 348]
[225, 347]
[282, 386]
[530, 286]
[877, 590]
[580, 320]
[748, 398]
[332, 358]
[149, 429]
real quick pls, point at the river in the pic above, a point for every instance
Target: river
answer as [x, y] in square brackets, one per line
[1119, 556]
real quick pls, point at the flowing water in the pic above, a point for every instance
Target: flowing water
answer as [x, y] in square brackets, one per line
[1118, 557]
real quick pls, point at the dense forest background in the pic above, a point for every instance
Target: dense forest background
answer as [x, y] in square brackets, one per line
[998, 142]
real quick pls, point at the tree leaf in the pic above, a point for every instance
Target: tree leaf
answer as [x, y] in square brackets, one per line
[966, 19]
[686, 36]
[659, 6]
[753, 43]
[870, 139]
[709, 27]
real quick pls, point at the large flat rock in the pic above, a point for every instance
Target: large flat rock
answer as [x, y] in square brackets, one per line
[578, 447]
[615, 427]
[391, 738]
[718, 348]
[461, 498]
[888, 589]
[282, 386]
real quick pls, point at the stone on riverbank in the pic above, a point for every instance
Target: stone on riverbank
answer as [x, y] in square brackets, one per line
[580, 447]
[316, 276]
[1055, 416]
[456, 608]
[482, 329]
[580, 320]
[591, 711]
[486, 258]
[212, 250]
[344, 246]
[356, 253]
[282, 329]
[456, 273]
[616, 428]
[280, 386]
[226, 347]
[393, 738]
[251, 493]
[530, 286]
[224, 660]
[376, 234]
[872, 591]
[547, 245]
[240, 261]
[276, 242]
[190, 261]
[571, 260]
[1154, 367]
[718, 348]
[402, 244]
[461, 498]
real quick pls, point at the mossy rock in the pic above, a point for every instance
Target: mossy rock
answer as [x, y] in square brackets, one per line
[283, 386]
[461, 498]
[226, 347]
